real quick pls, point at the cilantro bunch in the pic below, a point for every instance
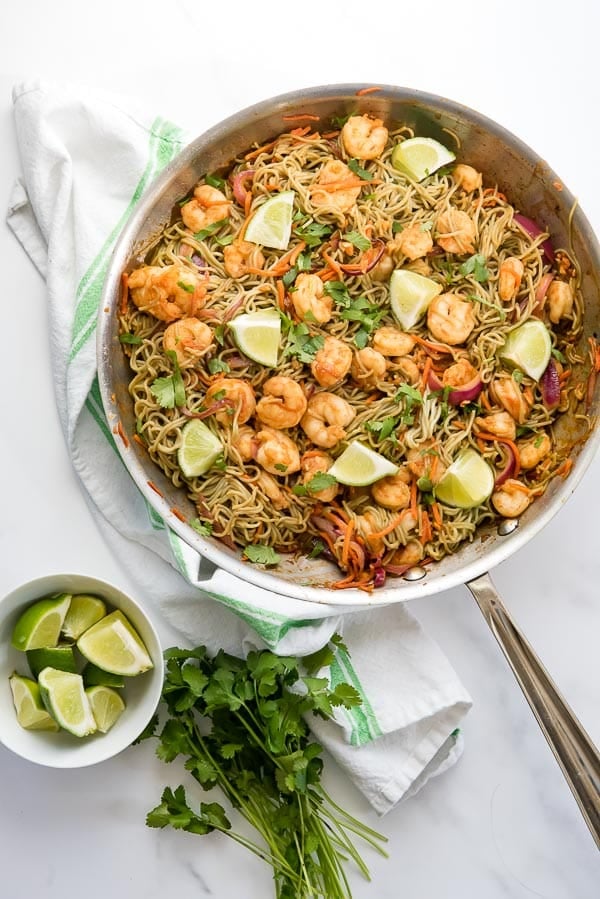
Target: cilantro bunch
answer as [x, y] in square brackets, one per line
[240, 726]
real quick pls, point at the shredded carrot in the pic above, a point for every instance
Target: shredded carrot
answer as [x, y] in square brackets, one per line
[566, 374]
[425, 375]
[331, 134]
[485, 401]
[594, 354]
[178, 514]
[437, 515]
[124, 293]
[153, 486]
[122, 435]
[377, 535]
[301, 117]
[563, 470]
[367, 90]
[413, 498]
[280, 295]
[265, 148]
[481, 445]
[346, 546]
[247, 203]
[483, 435]
[139, 440]
[333, 265]
[425, 533]
[441, 348]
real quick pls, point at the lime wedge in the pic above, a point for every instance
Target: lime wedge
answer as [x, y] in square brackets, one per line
[199, 449]
[271, 224]
[115, 646]
[63, 695]
[40, 624]
[467, 483]
[360, 465]
[96, 677]
[83, 612]
[61, 657]
[29, 707]
[410, 295]
[419, 157]
[258, 335]
[528, 347]
[107, 706]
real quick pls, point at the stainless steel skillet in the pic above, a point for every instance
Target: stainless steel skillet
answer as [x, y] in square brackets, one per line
[538, 192]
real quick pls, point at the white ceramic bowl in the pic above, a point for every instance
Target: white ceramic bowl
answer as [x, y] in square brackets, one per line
[141, 693]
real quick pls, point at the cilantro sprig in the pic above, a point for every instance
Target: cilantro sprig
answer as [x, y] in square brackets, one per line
[475, 265]
[301, 342]
[169, 391]
[355, 166]
[355, 309]
[240, 725]
[261, 555]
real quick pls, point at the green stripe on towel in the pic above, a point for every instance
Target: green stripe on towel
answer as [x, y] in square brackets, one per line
[365, 726]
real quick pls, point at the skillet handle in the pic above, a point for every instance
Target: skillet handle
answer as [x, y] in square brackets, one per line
[573, 748]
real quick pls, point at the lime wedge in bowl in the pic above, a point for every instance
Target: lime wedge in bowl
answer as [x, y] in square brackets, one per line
[258, 335]
[410, 296]
[199, 449]
[31, 712]
[61, 657]
[107, 707]
[271, 224]
[40, 624]
[84, 611]
[359, 465]
[115, 646]
[467, 483]
[96, 677]
[63, 695]
[419, 157]
[529, 348]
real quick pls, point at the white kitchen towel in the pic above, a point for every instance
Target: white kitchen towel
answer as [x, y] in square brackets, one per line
[87, 158]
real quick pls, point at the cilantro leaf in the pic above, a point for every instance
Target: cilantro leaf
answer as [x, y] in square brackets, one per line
[397, 227]
[189, 288]
[475, 265]
[210, 229]
[261, 555]
[358, 240]
[216, 365]
[214, 181]
[559, 356]
[301, 343]
[130, 338]
[312, 233]
[204, 528]
[355, 166]
[317, 549]
[338, 292]
[163, 390]
[320, 481]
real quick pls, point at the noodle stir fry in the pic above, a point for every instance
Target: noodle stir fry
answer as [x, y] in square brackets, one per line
[396, 305]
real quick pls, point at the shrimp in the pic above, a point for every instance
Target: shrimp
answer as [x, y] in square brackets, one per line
[560, 300]
[424, 462]
[384, 268]
[364, 137]
[459, 374]
[315, 462]
[507, 392]
[392, 342]
[207, 207]
[244, 441]
[332, 362]
[188, 338]
[167, 292]
[450, 319]
[500, 424]
[241, 255]
[336, 186]
[455, 232]
[309, 298]
[272, 490]
[409, 369]
[277, 453]
[531, 452]
[366, 525]
[368, 367]
[511, 499]
[283, 403]
[325, 419]
[411, 554]
[392, 492]
[413, 242]
[509, 278]
[239, 396]
[468, 178]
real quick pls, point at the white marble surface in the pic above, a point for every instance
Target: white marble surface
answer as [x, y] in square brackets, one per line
[502, 823]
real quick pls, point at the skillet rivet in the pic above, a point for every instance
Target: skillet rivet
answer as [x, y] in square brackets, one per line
[507, 526]
[414, 574]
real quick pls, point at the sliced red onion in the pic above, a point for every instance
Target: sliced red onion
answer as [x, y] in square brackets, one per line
[326, 526]
[508, 470]
[457, 395]
[550, 386]
[237, 184]
[231, 310]
[534, 231]
[376, 250]
[379, 577]
[198, 260]
[542, 288]
[215, 407]
[398, 570]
